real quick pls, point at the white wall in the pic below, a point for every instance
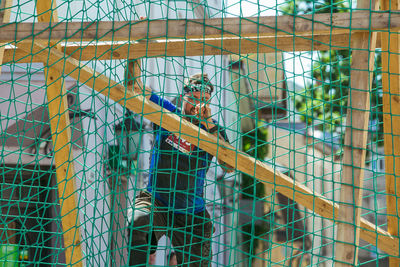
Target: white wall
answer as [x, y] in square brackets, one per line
[94, 200]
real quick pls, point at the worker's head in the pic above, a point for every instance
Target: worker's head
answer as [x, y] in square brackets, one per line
[197, 91]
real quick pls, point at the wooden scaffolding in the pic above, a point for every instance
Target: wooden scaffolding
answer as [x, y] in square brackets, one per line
[227, 36]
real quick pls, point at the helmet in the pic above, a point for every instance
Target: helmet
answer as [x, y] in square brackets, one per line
[198, 82]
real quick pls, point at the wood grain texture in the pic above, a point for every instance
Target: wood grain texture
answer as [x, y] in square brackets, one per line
[391, 122]
[5, 13]
[208, 142]
[198, 29]
[184, 48]
[356, 136]
[61, 136]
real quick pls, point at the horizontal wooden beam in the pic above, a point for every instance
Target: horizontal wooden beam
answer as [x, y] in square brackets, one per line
[208, 142]
[181, 47]
[271, 26]
[5, 13]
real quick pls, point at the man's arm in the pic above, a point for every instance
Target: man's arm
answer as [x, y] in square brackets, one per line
[132, 74]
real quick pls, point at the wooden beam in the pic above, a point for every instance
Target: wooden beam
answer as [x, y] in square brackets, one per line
[199, 29]
[61, 136]
[132, 74]
[391, 122]
[356, 136]
[181, 47]
[5, 13]
[208, 142]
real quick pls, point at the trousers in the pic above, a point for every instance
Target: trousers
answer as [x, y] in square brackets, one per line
[190, 234]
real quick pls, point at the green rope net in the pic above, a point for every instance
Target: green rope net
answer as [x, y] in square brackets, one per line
[110, 168]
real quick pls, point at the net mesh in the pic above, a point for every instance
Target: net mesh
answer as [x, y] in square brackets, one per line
[103, 163]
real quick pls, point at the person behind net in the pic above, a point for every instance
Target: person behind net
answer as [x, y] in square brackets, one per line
[173, 203]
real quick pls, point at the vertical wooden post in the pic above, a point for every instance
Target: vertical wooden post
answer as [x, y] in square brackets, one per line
[5, 7]
[132, 74]
[391, 122]
[348, 231]
[63, 156]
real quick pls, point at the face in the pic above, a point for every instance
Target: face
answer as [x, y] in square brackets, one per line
[191, 99]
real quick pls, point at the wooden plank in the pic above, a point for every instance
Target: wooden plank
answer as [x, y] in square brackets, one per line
[132, 74]
[5, 13]
[176, 48]
[356, 136]
[8, 227]
[198, 29]
[208, 142]
[61, 136]
[391, 122]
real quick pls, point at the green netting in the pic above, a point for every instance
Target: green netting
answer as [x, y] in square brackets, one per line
[281, 99]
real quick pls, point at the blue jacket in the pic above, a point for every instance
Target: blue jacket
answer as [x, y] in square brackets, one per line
[177, 168]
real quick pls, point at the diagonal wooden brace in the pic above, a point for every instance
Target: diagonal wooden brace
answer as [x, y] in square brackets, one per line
[208, 142]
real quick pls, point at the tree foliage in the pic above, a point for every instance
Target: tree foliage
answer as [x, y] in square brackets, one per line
[255, 144]
[300, 7]
[323, 103]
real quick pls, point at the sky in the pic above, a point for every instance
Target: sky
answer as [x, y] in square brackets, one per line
[248, 8]
[297, 65]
